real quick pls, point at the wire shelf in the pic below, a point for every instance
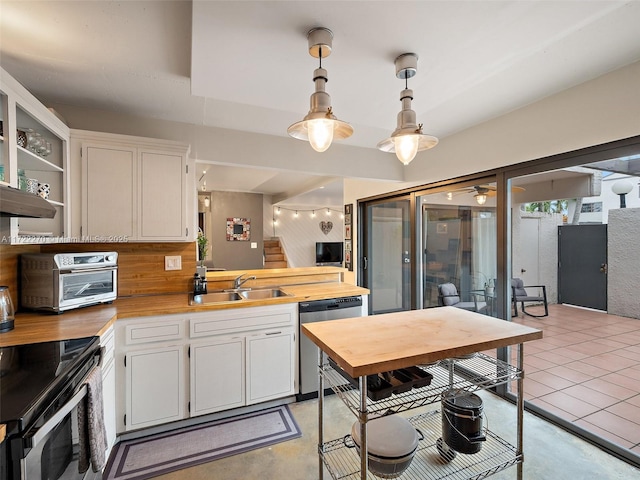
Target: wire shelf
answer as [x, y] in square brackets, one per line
[495, 455]
[471, 374]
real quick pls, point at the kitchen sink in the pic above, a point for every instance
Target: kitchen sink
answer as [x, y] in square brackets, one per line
[236, 295]
[261, 293]
[214, 297]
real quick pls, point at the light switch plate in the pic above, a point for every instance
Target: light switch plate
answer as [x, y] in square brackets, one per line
[254, 244]
[173, 262]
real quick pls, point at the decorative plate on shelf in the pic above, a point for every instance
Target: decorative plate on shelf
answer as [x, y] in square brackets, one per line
[22, 138]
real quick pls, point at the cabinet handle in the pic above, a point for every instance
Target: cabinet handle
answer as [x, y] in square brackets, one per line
[273, 333]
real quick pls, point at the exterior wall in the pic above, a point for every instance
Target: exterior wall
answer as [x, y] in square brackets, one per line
[624, 262]
[610, 200]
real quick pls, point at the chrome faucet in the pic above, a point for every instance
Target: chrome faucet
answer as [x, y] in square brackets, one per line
[239, 281]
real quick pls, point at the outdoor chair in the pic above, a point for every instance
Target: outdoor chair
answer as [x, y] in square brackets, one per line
[448, 296]
[519, 294]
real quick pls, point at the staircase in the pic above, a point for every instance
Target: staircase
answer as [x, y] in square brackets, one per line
[273, 254]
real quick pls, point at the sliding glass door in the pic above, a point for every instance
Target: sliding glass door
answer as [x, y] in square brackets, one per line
[387, 254]
[458, 246]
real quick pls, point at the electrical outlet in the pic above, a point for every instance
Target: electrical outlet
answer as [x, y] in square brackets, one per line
[173, 262]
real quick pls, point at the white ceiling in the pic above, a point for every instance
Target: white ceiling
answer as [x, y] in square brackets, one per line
[244, 65]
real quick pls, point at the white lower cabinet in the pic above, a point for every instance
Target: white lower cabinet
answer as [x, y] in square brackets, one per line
[270, 365]
[175, 366]
[217, 369]
[154, 386]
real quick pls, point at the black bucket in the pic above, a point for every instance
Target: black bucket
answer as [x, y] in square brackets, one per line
[462, 421]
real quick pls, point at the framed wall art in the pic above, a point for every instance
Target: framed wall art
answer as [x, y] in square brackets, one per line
[238, 229]
[348, 250]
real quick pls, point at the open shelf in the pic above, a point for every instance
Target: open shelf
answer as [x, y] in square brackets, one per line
[30, 161]
[471, 374]
[495, 455]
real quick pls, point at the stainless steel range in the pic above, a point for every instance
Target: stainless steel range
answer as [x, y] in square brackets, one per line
[41, 386]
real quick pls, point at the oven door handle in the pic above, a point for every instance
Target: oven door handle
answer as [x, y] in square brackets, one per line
[102, 268]
[43, 431]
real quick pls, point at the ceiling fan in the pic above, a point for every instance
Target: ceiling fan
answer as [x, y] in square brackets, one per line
[481, 192]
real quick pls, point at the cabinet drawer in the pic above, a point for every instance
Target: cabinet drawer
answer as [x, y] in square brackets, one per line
[153, 332]
[241, 321]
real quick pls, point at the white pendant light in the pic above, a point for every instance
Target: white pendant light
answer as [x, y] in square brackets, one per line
[320, 126]
[407, 139]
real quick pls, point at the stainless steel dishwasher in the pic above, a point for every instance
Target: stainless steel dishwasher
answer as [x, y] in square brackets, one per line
[320, 311]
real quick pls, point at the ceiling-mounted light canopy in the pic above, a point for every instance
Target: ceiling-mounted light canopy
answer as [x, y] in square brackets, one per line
[407, 139]
[320, 126]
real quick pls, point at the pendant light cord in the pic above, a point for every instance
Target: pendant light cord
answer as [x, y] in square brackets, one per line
[320, 55]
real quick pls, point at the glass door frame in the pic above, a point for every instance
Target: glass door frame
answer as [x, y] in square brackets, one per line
[365, 234]
[443, 187]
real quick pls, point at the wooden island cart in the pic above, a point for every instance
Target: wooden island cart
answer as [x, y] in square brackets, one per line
[445, 343]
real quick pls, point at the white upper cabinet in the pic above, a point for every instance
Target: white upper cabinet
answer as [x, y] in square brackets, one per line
[109, 186]
[34, 152]
[133, 189]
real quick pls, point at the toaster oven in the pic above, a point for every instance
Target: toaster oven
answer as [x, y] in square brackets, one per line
[57, 282]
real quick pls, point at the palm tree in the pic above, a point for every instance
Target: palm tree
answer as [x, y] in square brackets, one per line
[552, 206]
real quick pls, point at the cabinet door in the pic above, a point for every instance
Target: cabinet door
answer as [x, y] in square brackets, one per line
[162, 196]
[108, 189]
[217, 376]
[270, 365]
[154, 389]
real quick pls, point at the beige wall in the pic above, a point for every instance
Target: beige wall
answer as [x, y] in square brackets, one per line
[236, 254]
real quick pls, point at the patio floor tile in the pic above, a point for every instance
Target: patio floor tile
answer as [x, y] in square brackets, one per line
[608, 388]
[569, 404]
[586, 370]
[550, 380]
[593, 397]
[604, 433]
[619, 426]
[570, 374]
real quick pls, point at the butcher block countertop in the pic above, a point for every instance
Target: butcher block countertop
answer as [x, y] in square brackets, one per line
[381, 343]
[34, 327]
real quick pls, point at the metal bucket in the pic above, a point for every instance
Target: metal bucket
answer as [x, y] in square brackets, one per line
[462, 421]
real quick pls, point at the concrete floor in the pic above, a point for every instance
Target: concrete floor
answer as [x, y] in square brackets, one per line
[550, 452]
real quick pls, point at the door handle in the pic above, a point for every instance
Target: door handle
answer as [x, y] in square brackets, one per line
[522, 270]
[366, 263]
[603, 268]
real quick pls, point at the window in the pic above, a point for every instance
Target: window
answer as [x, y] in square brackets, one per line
[591, 207]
